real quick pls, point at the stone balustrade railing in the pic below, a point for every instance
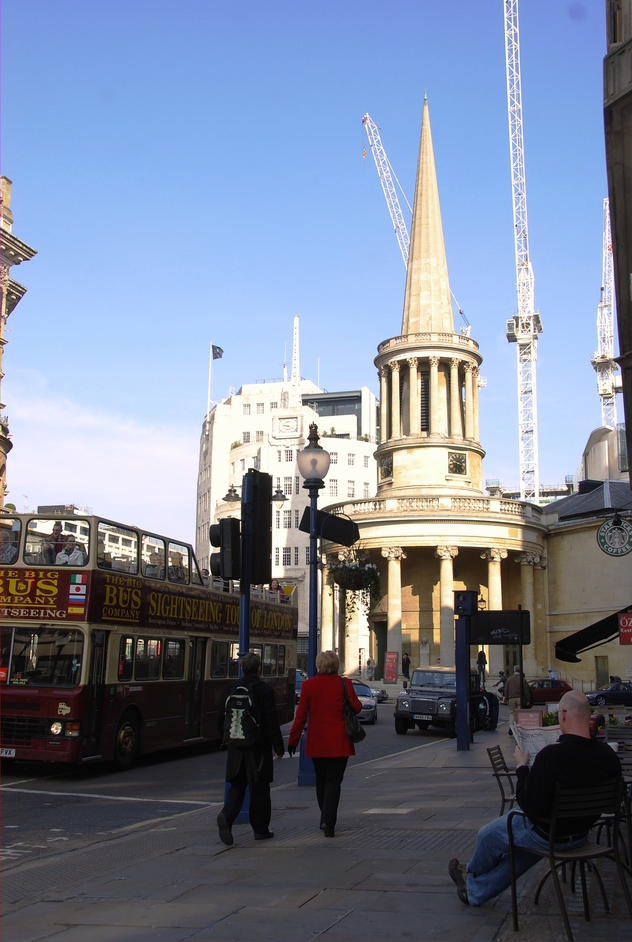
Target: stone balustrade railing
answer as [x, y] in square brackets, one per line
[410, 340]
[437, 505]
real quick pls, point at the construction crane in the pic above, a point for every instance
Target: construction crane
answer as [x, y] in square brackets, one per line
[523, 328]
[603, 360]
[386, 174]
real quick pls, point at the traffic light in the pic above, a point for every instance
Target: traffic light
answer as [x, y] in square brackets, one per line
[260, 542]
[465, 603]
[226, 535]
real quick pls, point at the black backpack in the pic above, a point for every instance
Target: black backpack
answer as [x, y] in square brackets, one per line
[241, 727]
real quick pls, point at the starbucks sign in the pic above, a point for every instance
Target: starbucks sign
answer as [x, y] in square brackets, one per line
[615, 539]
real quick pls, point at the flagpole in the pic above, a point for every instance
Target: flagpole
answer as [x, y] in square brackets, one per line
[210, 366]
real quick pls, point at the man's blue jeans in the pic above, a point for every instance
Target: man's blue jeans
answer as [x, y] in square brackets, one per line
[488, 872]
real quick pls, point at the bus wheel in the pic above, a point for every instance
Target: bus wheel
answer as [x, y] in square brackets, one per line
[127, 742]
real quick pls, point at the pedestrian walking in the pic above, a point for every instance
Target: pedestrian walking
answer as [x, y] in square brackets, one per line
[501, 684]
[370, 668]
[406, 666]
[247, 714]
[552, 673]
[517, 689]
[481, 664]
[328, 744]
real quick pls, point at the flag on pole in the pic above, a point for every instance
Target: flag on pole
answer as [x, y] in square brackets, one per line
[218, 353]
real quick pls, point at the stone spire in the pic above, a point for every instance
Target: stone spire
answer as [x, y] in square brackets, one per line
[427, 305]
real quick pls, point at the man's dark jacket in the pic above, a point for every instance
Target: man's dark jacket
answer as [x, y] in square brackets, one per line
[258, 758]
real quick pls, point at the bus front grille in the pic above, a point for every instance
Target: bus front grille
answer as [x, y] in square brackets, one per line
[20, 730]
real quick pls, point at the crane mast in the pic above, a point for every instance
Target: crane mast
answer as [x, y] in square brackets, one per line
[386, 175]
[523, 328]
[603, 360]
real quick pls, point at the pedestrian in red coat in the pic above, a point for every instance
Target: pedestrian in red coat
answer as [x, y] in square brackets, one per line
[327, 745]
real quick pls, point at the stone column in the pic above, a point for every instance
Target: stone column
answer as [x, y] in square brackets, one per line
[383, 374]
[396, 431]
[495, 652]
[469, 406]
[544, 657]
[475, 375]
[414, 414]
[327, 613]
[434, 395]
[456, 425]
[526, 562]
[394, 554]
[446, 592]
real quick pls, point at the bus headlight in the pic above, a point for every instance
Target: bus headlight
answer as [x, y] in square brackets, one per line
[73, 730]
[56, 728]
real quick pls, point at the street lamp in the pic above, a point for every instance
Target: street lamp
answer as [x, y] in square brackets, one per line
[313, 464]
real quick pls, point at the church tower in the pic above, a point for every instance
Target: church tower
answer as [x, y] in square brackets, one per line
[429, 426]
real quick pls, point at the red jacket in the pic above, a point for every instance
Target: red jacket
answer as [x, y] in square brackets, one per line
[322, 700]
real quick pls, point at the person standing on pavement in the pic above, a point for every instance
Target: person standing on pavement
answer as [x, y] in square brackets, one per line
[481, 664]
[251, 765]
[328, 744]
[370, 668]
[575, 761]
[515, 689]
[406, 666]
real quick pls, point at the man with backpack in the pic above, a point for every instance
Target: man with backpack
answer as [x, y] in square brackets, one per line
[247, 717]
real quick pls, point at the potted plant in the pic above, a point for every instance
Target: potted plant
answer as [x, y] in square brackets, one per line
[357, 577]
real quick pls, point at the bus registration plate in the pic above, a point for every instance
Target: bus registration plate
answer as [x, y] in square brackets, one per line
[422, 716]
[7, 753]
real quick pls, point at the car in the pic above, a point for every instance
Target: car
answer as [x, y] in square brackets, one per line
[379, 693]
[364, 694]
[617, 693]
[431, 701]
[545, 690]
[300, 677]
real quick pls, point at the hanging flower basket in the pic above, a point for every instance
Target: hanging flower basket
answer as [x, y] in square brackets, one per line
[355, 576]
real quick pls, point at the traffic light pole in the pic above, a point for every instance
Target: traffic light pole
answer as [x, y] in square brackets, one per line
[246, 566]
[462, 683]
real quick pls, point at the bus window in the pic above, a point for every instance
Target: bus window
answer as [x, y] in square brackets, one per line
[7, 634]
[269, 660]
[57, 542]
[173, 664]
[233, 663]
[10, 529]
[196, 578]
[281, 661]
[147, 658]
[126, 658]
[117, 548]
[178, 563]
[152, 557]
[219, 659]
[46, 656]
[257, 649]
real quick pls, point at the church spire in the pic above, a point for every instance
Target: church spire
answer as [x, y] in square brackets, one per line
[427, 305]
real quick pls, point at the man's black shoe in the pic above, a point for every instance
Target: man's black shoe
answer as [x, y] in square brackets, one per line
[458, 873]
[225, 833]
[265, 836]
[327, 831]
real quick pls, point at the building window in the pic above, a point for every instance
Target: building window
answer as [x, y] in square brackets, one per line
[289, 454]
[232, 467]
[277, 514]
[297, 485]
[261, 408]
[333, 487]
[276, 555]
[350, 459]
[366, 461]
[365, 490]
[296, 555]
[274, 405]
[333, 455]
[285, 399]
[279, 456]
[242, 464]
[287, 555]
[287, 519]
[307, 555]
[258, 436]
[351, 489]
[246, 408]
[246, 438]
[278, 484]
[287, 486]
[296, 519]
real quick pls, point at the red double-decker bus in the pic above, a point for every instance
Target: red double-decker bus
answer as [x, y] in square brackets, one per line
[113, 646]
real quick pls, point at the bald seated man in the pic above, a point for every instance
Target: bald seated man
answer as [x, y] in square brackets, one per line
[575, 761]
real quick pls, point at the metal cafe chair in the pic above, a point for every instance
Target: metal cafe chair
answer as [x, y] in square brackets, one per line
[505, 777]
[576, 803]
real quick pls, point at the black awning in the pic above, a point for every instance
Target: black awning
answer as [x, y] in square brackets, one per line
[591, 637]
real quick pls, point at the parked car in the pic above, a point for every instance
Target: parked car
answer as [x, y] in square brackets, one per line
[431, 701]
[379, 693]
[300, 677]
[619, 693]
[548, 691]
[368, 701]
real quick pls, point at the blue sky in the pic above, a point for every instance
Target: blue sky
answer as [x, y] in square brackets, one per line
[192, 171]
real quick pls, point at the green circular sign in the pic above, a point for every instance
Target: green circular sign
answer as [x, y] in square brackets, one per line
[615, 540]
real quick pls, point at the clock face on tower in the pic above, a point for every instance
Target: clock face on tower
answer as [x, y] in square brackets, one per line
[457, 463]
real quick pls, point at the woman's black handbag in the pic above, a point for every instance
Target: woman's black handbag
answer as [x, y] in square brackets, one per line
[352, 724]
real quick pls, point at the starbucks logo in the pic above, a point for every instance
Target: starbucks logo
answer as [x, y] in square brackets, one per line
[615, 539]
